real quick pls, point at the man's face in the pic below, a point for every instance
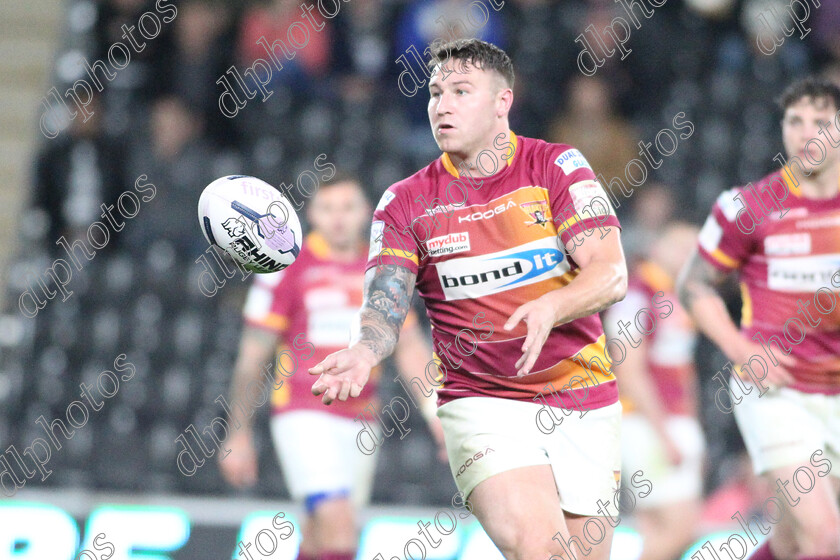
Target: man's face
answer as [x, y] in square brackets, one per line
[340, 213]
[802, 122]
[464, 107]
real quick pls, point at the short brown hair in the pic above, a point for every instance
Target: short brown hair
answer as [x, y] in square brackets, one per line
[813, 87]
[481, 54]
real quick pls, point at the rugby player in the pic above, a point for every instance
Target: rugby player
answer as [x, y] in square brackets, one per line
[308, 309]
[784, 246]
[513, 273]
[660, 433]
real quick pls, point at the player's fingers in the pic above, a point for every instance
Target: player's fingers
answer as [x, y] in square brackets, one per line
[329, 395]
[516, 316]
[344, 390]
[319, 386]
[533, 352]
[324, 365]
[355, 390]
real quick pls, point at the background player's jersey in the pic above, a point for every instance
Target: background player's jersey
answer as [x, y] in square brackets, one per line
[782, 262]
[317, 298]
[491, 251]
[670, 347]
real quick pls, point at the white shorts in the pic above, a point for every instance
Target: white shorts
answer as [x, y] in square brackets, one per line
[642, 450]
[486, 436]
[318, 454]
[784, 427]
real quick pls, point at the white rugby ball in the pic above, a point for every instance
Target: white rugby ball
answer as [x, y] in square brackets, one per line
[252, 221]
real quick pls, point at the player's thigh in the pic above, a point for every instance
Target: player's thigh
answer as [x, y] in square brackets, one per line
[519, 510]
[642, 451]
[317, 453]
[784, 427]
[511, 471]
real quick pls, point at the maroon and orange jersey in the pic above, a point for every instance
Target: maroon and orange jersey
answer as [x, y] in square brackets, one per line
[483, 246]
[669, 357]
[314, 301]
[782, 263]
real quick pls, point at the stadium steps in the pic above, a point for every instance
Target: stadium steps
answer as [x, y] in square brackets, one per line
[29, 36]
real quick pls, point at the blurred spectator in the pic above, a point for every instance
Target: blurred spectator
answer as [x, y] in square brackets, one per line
[74, 174]
[826, 22]
[179, 162]
[653, 207]
[590, 124]
[361, 54]
[446, 20]
[203, 46]
[272, 22]
[140, 78]
[541, 40]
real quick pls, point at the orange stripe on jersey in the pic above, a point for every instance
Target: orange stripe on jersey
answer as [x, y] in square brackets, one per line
[450, 167]
[746, 308]
[400, 253]
[723, 258]
[655, 276]
[272, 321]
[787, 177]
[593, 355]
[569, 223]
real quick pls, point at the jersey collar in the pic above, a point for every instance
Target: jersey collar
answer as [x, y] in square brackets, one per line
[655, 276]
[450, 167]
[795, 190]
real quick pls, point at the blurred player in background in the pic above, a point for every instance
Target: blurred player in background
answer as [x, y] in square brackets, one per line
[787, 256]
[314, 302]
[660, 433]
[487, 233]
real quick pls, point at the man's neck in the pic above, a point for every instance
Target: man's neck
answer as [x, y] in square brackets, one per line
[346, 253]
[821, 184]
[485, 167]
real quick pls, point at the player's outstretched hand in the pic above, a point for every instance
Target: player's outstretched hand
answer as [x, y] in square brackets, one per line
[539, 315]
[343, 374]
[239, 467]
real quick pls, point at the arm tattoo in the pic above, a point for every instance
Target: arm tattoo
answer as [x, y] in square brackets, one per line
[388, 290]
[698, 279]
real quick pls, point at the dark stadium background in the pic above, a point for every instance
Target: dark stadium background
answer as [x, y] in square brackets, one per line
[339, 97]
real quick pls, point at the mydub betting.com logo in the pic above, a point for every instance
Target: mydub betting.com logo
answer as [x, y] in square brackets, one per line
[496, 272]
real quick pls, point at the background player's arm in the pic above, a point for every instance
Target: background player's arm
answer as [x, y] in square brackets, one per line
[697, 288]
[387, 300]
[256, 349]
[601, 282]
[635, 382]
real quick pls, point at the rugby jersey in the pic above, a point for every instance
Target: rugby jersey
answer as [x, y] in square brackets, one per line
[782, 261]
[483, 246]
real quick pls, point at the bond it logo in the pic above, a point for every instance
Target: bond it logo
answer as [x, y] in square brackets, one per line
[472, 277]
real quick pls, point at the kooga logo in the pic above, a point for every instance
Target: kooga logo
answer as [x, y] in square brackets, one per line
[479, 276]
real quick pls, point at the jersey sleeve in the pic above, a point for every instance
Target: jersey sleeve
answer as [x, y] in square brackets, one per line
[269, 301]
[578, 201]
[390, 240]
[721, 241]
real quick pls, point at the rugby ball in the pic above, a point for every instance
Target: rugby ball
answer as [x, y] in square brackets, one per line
[252, 221]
